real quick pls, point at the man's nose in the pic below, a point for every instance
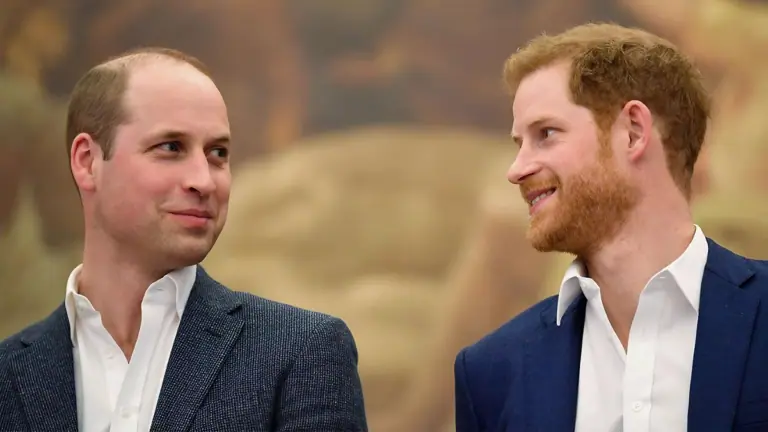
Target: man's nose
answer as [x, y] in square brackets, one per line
[198, 175]
[522, 167]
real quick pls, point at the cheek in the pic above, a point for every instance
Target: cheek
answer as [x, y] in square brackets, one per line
[223, 187]
[134, 192]
[122, 208]
[572, 165]
[152, 188]
[131, 200]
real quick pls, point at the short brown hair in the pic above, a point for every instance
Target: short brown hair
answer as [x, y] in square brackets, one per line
[611, 65]
[96, 103]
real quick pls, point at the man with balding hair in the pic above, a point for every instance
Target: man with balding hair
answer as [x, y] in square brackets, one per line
[145, 339]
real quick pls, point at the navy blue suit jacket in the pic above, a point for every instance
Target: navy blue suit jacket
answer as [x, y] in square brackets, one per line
[239, 363]
[525, 375]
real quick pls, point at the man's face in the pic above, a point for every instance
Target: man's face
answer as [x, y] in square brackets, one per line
[577, 193]
[165, 190]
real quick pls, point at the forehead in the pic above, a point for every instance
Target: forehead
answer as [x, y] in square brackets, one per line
[542, 95]
[173, 95]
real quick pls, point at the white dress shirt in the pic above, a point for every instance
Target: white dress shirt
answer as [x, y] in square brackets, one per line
[645, 388]
[113, 394]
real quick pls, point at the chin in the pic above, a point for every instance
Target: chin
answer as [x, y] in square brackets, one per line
[542, 246]
[187, 255]
[548, 238]
[539, 240]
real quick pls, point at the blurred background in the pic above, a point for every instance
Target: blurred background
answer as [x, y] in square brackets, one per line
[371, 152]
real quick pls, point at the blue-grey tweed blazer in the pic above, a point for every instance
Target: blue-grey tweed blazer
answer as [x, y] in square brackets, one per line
[239, 363]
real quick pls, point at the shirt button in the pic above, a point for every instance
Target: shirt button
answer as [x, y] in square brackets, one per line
[637, 406]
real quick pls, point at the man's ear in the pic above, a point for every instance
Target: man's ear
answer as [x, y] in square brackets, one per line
[85, 158]
[638, 122]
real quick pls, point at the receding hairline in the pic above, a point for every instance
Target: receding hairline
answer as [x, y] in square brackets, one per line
[96, 105]
[130, 60]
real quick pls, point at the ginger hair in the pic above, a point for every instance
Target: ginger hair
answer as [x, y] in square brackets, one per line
[611, 65]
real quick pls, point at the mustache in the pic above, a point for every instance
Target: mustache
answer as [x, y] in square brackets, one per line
[537, 185]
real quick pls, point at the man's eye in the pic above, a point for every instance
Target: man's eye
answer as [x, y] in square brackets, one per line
[172, 146]
[221, 152]
[547, 132]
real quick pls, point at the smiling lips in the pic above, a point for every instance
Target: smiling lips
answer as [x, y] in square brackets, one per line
[194, 212]
[537, 198]
[192, 218]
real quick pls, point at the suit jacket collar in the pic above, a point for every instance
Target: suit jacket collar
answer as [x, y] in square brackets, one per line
[726, 320]
[687, 271]
[207, 332]
[181, 281]
[551, 365]
[727, 315]
[44, 370]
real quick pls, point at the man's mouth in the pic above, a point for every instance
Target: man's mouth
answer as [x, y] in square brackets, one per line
[537, 198]
[192, 217]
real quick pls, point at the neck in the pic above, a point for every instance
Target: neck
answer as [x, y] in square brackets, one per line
[654, 236]
[115, 283]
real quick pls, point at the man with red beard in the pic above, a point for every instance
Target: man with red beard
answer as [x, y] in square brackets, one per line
[656, 327]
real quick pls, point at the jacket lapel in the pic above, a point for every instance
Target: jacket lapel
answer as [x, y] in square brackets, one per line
[726, 320]
[206, 334]
[45, 377]
[552, 365]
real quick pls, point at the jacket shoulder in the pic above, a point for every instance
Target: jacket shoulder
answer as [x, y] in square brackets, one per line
[307, 356]
[16, 342]
[510, 337]
[486, 371]
[268, 317]
[760, 266]
[759, 282]
[12, 344]
[274, 314]
[287, 329]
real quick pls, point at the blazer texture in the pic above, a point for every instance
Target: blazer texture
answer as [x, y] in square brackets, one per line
[525, 375]
[239, 363]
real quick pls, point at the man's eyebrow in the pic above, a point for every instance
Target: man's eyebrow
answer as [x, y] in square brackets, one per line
[221, 140]
[170, 134]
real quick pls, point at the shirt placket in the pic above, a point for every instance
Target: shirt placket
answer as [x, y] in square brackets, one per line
[126, 417]
[641, 359]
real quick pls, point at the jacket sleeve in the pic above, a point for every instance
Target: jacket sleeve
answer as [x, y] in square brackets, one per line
[322, 391]
[466, 418]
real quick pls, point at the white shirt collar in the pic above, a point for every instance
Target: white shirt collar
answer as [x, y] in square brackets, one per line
[181, 281]
[687, 271]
